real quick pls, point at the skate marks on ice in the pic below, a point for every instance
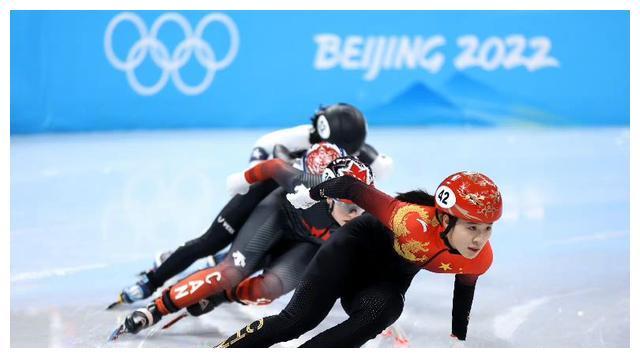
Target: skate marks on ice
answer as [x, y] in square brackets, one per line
[569, 317]
[506, 324]
[209, 330]
[60, 326]
[57, 170]
[595, 317]
[63, 271]
[89, 326]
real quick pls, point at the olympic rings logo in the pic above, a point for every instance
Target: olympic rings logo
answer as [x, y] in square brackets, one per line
[171, 64]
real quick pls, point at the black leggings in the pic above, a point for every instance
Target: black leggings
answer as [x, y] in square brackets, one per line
[220, 234]
[262, 243]
[358, 265]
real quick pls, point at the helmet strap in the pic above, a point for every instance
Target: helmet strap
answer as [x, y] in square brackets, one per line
[333, 203]
[443, 235]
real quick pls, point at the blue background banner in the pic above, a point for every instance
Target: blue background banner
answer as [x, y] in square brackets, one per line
[110, 70]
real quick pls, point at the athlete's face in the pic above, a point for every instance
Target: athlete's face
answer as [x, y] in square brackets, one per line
[343, 212]
[468, 238]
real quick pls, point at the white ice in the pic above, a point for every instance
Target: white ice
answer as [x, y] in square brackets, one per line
[89, 211]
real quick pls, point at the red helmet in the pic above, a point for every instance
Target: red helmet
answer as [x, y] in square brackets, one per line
[320, 155]
[470, 196]
[351, 166]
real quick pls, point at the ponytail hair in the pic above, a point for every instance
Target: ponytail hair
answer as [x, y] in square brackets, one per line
[417, 196]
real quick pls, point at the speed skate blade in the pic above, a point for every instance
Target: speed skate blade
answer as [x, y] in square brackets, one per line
[173, 321]
[115, 304]
[117, 333]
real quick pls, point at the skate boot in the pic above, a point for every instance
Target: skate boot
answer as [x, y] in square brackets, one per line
[205, 305]
[139, 291]
[142, 318]
[138, 320]
[161, 258]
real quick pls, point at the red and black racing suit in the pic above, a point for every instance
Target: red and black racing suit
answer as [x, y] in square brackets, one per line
[276, 237]
[229, 221]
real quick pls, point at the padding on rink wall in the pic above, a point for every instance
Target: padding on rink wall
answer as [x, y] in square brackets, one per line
[122, 70]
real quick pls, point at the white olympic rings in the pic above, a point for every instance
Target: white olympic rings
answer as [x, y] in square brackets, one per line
[171, 64]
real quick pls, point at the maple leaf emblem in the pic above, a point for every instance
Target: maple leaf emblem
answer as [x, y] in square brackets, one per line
[358, 172]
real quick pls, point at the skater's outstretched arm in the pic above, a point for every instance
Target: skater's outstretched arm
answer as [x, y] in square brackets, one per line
[294, 139]
[277, 169]
[372, 200]
[464, 288]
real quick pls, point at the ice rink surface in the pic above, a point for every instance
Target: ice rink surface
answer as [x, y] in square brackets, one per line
[89, 211]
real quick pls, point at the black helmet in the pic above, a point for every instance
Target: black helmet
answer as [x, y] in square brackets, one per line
[341, 124]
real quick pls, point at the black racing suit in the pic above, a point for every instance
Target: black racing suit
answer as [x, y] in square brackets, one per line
[359, 267]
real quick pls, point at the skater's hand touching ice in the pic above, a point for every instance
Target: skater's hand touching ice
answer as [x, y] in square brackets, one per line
[455, 342]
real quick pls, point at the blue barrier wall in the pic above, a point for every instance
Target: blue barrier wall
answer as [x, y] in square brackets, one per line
[109, 70]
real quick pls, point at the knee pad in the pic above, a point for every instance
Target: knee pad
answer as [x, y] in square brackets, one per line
[259, 290]
[200, 285]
